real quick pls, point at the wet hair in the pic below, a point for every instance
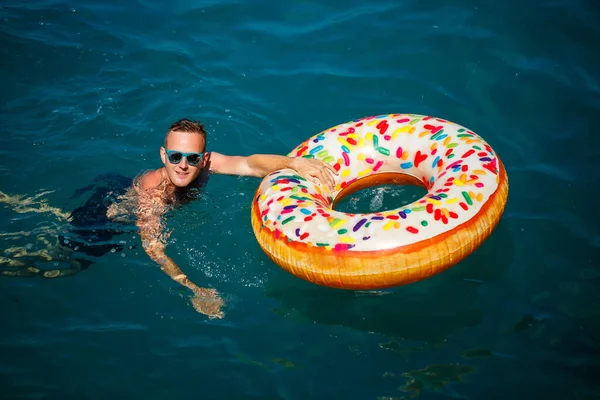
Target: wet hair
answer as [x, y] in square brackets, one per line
[186, 125]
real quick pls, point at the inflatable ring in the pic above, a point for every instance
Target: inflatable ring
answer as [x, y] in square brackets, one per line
[296, 225]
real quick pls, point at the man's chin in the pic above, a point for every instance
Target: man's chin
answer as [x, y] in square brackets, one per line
[182, 181]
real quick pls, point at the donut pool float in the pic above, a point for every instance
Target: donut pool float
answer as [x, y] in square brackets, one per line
[296, 224]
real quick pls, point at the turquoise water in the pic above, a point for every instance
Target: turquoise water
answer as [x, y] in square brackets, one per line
[91, 87]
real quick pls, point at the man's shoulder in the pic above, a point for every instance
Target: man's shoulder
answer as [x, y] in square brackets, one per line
[150, 179]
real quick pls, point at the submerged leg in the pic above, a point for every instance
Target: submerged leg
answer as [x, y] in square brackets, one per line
[75, 267]
[21, 269]
[18, 260]
[17, 268]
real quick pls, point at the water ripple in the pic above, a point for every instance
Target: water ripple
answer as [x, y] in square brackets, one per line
[107, 327]
[91, 86]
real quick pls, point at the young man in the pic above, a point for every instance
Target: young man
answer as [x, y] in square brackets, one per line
[185, 165]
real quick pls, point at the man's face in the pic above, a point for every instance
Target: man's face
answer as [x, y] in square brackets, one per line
[182, 174]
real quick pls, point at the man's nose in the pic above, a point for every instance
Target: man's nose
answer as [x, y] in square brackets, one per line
[183, 164]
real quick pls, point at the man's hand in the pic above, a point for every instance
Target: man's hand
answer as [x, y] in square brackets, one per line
[315, 171]
[208, 302]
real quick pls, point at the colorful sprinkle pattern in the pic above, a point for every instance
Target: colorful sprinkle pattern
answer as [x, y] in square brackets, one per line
[459, 169]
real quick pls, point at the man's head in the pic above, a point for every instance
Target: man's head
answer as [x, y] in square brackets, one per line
[184, 141]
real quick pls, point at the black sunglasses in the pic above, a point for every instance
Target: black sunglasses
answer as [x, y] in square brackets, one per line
[176, 156]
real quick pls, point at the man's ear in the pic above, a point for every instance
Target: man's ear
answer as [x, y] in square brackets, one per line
[206, 159]
[163, 155]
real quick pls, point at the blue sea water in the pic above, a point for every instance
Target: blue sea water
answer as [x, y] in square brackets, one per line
[89, 88]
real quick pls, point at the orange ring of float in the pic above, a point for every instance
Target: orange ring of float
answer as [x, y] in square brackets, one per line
[394, 148]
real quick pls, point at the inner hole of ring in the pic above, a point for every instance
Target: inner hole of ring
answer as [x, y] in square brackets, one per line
[379, 192]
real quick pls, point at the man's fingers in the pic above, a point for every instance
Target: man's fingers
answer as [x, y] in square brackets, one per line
[323, 180]
[330, 184]
[330, 167]
[326, 178]
[320, 172]
[332, 176]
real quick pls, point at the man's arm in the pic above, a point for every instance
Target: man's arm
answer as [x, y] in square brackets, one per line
[153, 236]
[260, 165]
